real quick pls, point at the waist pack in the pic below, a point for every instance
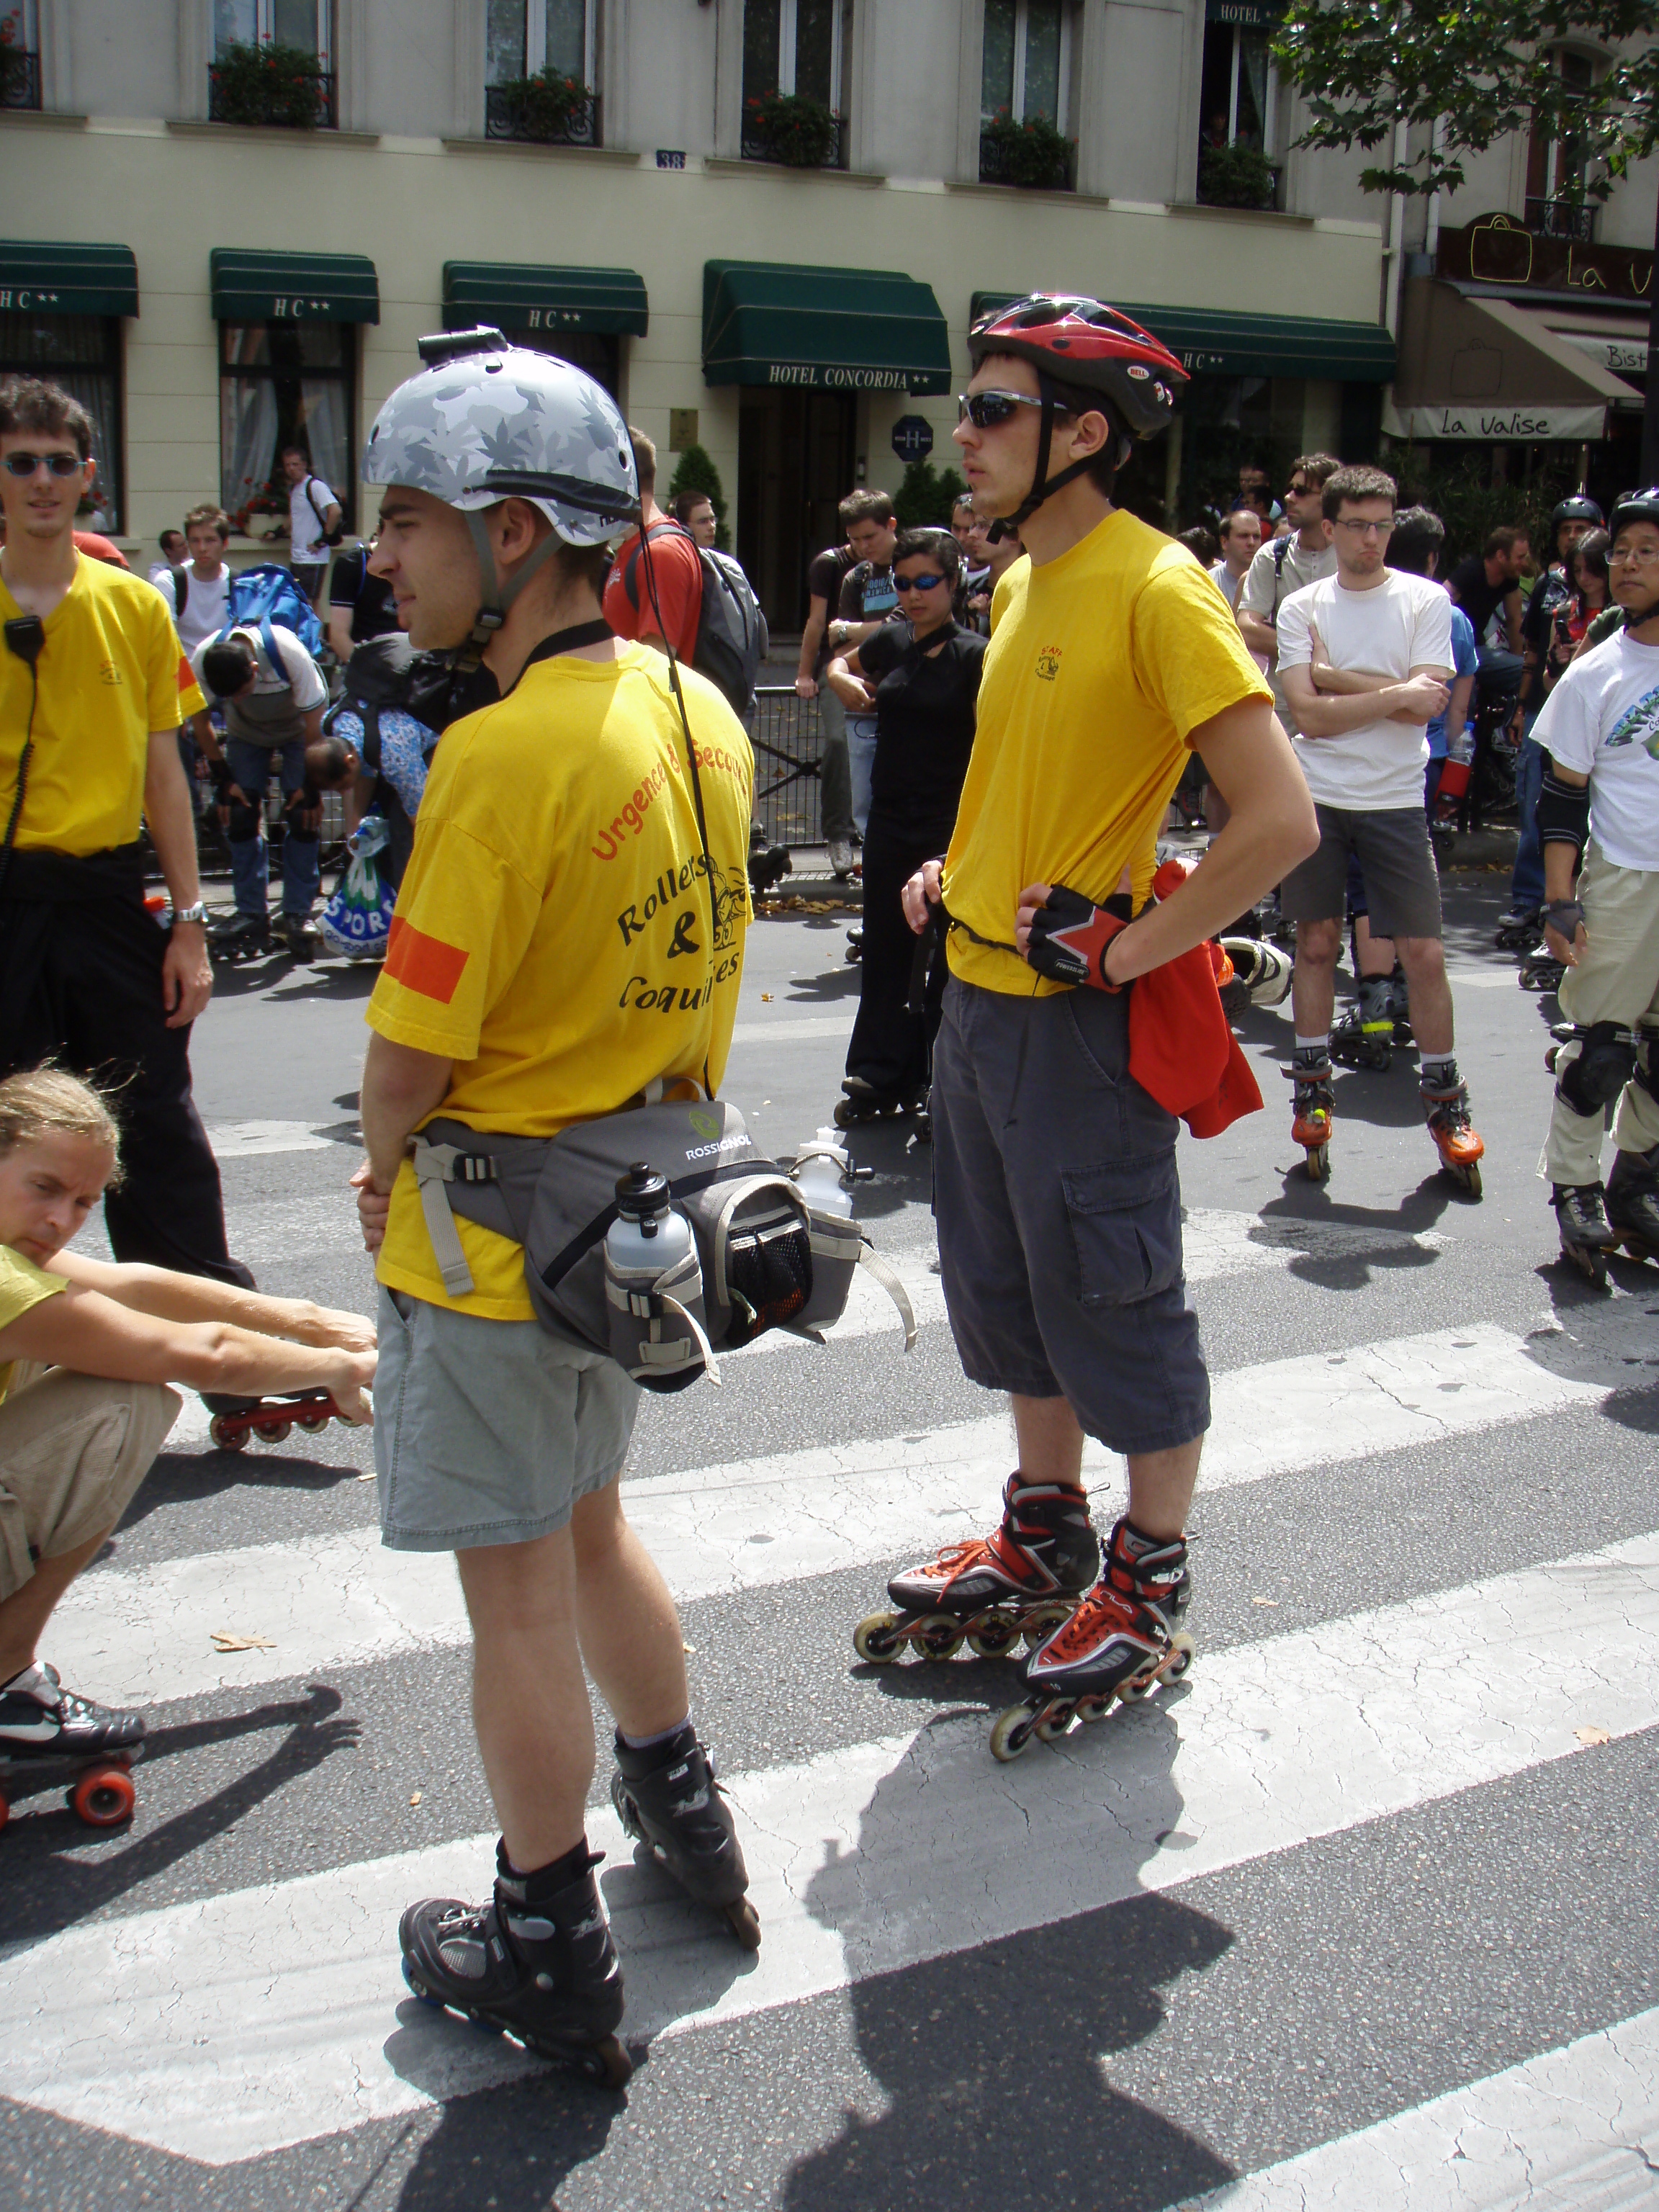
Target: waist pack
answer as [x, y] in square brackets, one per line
[762, 1257]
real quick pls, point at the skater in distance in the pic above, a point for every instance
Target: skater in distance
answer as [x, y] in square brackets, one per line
[87, 1352]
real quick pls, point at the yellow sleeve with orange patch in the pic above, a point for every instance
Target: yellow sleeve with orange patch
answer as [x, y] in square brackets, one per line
[464, 917]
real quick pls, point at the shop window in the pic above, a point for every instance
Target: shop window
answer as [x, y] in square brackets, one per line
[1558, 169]
[82, 353]
[540, 72]
[1238, 98]
[20, 54]
[293, 85]
[283, 383]
[793, 62]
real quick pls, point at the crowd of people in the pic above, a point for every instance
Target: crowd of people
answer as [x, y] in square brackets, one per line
[1017, 697]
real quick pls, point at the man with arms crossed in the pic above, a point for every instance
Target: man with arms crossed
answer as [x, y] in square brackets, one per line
[522, 992]
[1365, 658]
[1059, 1210]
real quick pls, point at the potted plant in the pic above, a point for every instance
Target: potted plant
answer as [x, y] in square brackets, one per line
[262, 82]
[1035, 153]
[548, 109]
[1236, 176]
[788, 127]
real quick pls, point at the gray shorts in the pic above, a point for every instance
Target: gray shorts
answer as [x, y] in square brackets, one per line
[1402, 884]
[1059, 1216]
[489, 1431]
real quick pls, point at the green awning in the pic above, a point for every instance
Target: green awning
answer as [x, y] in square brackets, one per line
[519, 296]
[1214, 342]
[822, 330]
[284, 288]
[38, 277]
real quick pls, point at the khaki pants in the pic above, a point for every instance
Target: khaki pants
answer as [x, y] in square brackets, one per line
[73, 1449]
[1617, 980]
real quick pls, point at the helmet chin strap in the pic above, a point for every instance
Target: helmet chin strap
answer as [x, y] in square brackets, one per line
[1043, 486]
[497, 596]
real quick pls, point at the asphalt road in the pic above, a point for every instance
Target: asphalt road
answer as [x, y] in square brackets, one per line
[1371, 1893]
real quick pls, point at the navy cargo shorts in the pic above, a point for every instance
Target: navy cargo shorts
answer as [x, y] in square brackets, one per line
[1059, 1216]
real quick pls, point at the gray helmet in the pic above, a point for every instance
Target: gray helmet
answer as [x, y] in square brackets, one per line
[1634, 506]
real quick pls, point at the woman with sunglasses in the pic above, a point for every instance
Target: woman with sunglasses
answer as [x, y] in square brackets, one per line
[924, 671]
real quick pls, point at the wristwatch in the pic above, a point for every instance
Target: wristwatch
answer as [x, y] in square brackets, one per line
[196, 913]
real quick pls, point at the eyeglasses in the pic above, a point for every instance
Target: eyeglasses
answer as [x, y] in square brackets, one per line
[26, 465]
[918, 583]
[1366, 529]
[1635, 557]
[988, 410]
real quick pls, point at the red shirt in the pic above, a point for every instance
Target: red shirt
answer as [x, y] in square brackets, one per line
[100, 549]
[676, 573]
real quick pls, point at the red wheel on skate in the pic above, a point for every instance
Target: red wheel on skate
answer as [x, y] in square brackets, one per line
[104, 1798]
[223, 1437]
[5, 1808]
[273, 1432]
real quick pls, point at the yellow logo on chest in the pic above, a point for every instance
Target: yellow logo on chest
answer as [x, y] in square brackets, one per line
[1047, 662]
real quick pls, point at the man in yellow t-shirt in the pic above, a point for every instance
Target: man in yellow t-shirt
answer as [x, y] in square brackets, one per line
[89, 713]
[569, 935]
[1112, 658]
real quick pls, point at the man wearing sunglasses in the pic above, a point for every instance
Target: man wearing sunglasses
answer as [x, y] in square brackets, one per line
[1112, 656]
[1283, 565]
[90, 711]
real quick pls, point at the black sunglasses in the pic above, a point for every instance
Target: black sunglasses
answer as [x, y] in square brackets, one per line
[61, 464]
[988, 411]
[918, 583]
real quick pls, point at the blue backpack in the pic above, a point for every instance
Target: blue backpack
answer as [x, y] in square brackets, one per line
[267, 594]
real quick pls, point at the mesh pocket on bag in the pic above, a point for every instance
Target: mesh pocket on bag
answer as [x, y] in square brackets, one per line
[769, 1271]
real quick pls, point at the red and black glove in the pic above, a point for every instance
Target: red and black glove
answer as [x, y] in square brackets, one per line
[1070, 934]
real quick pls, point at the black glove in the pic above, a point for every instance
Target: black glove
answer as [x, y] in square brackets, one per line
[1070, 935]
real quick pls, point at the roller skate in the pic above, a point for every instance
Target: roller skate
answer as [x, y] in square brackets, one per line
[297, 934]
[855, 942]
[1365, 1035]
[666, 1798]
[1311, 1106]
[1587, 1235]
[1633, 1202]
[272, 1419]
[48, 1735]
[240, 936]
[1022, 1580]
[1540, 972]
[1446, 1110]
[1519, 929]
[1121, 1642]
[863, 1102]
[537, 1963]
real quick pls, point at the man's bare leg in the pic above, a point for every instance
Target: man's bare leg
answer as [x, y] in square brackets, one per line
[24, 1614]
[1160, 1483]
[626, 1620]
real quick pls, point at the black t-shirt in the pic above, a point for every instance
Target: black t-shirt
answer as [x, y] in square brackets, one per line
[370, 598]
[1551, 591]
[868, 594]
[823, 581]
[926, 702]
[1475, 595]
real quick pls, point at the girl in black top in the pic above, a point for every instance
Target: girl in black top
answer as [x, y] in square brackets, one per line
[924, 671]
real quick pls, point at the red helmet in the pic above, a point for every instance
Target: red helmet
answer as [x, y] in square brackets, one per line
[1091, 347]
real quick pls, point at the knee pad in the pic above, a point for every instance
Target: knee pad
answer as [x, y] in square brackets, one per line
[1596, 1073]
[1647, 1059]
[246, 823]
[299, 836]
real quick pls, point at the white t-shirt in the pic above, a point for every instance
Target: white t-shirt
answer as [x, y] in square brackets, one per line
[1228, 582]
[205, 609]
[272, 713]
[306, 542]
[1602, 719]
[1269, 580]
[1401, 624]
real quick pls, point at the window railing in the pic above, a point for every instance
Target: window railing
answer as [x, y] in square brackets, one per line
[1238, 176]
[1025, 157]
[19, 77]
[795, 132]
[288, 101]
[535, 120]
[1573, 220]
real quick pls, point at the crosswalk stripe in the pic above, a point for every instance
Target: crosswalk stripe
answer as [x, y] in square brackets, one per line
[263, 2017]
[241, 1140]
[142, 1633]
[1570, 2128]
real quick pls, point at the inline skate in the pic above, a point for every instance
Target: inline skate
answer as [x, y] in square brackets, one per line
[1311, 1109]
[1540, 971]
[1121, 1643]
[297, 935]
[272, 1419]
[863, 1102]
[1024, 1579]
[48, 1735]
[1363, 1038]
[1520, 930]
[668, 1799]
[239, 937]
[1633, 1203]
[537, 1963]
[1587, 1235]
[1446, 1110]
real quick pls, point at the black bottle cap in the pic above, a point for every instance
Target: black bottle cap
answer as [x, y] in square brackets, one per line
[641, 1193]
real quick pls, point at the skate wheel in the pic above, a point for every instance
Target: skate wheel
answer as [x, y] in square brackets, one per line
[311, 1422]
[1037, 1627]
[1136, 1688]
[1593, 1264]
[1052, 1726]
[273, 1432]
[223, 1437]
[1319, 1163]
[1183, 1648]
[1011, 1733]
[485, 2025]
[876, 1640]
[1467, 1178]
[994, 1637]
[417, 1987]
[744, 1923]
[845, 1113]
[104, 1798]
[607, 2064]
[939, 1636]
[1093, 1709]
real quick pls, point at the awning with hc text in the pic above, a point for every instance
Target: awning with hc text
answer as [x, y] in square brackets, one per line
[250, 287]
[1216, 342]
[524, 295]
[41, 277]
[822, 330]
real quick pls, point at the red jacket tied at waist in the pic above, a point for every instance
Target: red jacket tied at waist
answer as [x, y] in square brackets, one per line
[1181, 1047]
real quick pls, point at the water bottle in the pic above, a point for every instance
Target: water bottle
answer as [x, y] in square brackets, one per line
[822, 1175]
[649, 1244]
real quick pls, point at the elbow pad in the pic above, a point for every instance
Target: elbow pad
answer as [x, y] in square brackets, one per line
[1070, 935]
[1563, 811]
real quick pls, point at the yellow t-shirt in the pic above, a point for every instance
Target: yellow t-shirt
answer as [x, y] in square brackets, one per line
[552, 932]
[22, 1285]
[109, 675]
[1101, 664]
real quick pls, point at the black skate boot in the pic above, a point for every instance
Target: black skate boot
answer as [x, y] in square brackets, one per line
[1024, 1579]
[1587, 1237]
[48, 1734]
[1365, 1035]
[1633, 1202]
[537, 1963]
[296, 935]
[1121, 1642]
[666, 1798]
[239, 937]
[863, 1102]
[1519, 929]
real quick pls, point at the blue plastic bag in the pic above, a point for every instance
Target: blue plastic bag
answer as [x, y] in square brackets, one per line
[357, 921]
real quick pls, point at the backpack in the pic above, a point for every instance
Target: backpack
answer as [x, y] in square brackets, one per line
[731, 635]
[266, 594]
[329, 536]
[388, 671]
[181, 590]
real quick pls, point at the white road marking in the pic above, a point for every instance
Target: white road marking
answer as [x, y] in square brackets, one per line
[263, 2017]
[241, 1140]
[1576, 2129]
[786, 1029]
[140, 1634]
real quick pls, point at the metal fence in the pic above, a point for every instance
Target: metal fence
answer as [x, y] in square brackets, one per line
[787, 734]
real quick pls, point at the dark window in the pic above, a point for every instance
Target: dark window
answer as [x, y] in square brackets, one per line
[282, 384]
[83, 353]
[598, 355]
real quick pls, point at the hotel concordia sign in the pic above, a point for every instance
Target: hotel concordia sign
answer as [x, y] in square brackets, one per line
[820, 377]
